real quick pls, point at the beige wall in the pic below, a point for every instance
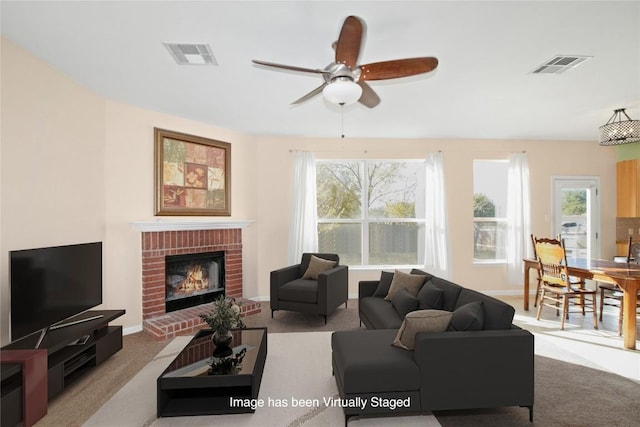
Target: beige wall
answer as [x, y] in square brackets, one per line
[76, 167]
[52, 172]
[546, 159]
[129, 177]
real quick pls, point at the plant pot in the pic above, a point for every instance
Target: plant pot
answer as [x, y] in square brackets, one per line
[222, 341]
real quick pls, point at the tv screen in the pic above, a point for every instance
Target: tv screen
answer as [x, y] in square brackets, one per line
[49, 285]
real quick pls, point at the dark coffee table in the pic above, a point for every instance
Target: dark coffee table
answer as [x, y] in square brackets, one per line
[187, 388]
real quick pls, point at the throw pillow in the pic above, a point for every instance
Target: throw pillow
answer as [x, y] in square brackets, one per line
[404, 302]
[468, 317]
[421, 321]
[385, 283]
[317, 266]
[428, 277]
[410, 282]
[431, 297]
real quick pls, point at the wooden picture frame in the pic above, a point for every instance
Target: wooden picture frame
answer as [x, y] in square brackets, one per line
[192, 175]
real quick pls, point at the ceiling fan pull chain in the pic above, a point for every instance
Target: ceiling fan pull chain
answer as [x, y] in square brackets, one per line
[342, 117]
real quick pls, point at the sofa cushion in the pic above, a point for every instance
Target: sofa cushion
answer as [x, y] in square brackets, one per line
[299, 290]
[451, 291]
[497, 314]
[379, 313]
[421, 321]
[366, 363]
[404, 302]
[317, 266]
[469, 317]
[411, 282]
[430, 297]
[385, 283]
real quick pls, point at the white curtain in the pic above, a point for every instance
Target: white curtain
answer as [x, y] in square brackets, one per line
[518, 216]
[436, 234]
[303, 232]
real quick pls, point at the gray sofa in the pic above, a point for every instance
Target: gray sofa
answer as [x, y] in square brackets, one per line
[489, 366]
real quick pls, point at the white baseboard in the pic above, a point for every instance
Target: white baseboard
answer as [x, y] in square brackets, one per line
[132, 330]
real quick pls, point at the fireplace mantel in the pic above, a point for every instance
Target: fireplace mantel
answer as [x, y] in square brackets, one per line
[180, 225]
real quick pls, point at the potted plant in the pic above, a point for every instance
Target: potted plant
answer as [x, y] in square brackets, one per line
[223, 317]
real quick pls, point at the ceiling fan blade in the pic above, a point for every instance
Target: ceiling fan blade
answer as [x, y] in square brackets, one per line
[289, 67]
[398, 68]
[309, 95]
[368, 98]
[348, 44]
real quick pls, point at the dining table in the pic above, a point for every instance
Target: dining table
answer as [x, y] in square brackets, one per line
[624, 274]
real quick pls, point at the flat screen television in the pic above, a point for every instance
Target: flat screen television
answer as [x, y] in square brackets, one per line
[50, 285]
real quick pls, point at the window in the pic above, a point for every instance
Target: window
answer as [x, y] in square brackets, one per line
[489, 210]
[370, 212]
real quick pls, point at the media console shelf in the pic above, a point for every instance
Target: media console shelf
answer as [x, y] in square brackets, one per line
[67, 361]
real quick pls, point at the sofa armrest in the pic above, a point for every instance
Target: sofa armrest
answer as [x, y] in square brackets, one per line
[366, 288]
[476, 369]
[333, 288]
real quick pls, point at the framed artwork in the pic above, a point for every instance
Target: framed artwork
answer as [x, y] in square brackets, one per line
[192, 175]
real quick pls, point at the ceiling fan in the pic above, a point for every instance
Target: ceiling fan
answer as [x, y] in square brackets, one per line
[345, 81]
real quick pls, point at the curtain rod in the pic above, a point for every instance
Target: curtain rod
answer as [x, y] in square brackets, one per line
[293, 150]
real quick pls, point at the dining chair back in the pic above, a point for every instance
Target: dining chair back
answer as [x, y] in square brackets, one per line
[558, 291]
[552, 262]
[539, 277]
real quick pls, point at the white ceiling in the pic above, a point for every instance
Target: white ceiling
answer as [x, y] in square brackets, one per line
[483, 87]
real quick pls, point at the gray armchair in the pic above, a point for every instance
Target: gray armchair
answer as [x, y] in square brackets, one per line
[290, 290]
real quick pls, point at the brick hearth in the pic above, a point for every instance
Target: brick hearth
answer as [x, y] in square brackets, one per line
[158, 244]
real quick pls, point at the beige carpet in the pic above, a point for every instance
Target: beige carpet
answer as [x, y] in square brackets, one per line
[298, 367]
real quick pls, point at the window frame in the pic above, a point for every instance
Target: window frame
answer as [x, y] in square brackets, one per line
[365, 220]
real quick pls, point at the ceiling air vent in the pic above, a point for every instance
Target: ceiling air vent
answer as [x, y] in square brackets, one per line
[191, 54]
[561, 63]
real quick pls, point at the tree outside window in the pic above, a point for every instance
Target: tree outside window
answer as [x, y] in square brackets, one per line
[489, 210]
[367, 211]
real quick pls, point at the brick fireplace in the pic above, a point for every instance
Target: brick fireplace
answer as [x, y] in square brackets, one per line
[162, 240]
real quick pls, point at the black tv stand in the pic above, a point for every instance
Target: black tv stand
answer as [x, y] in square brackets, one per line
[67, 363]
[65, 324]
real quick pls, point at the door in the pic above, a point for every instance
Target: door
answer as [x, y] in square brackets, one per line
[576, 215]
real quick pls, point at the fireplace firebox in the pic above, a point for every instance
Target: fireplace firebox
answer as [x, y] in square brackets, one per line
[193, 279]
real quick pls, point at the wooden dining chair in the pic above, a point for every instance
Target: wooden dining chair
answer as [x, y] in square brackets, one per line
[557, 290]
[611, 294]
[574, 280]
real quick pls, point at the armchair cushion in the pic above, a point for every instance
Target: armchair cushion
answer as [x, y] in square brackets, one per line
[300, 290]
[317, 266]
[411, 282]
[404, 302]
[421, 321]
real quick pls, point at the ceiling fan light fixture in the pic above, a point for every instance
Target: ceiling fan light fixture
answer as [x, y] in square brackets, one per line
[342, 91]
[618, 131]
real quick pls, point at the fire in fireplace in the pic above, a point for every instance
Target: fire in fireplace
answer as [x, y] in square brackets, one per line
[193, 279]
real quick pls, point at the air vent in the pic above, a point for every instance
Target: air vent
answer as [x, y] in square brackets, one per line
[191, 54]
[560, 64]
